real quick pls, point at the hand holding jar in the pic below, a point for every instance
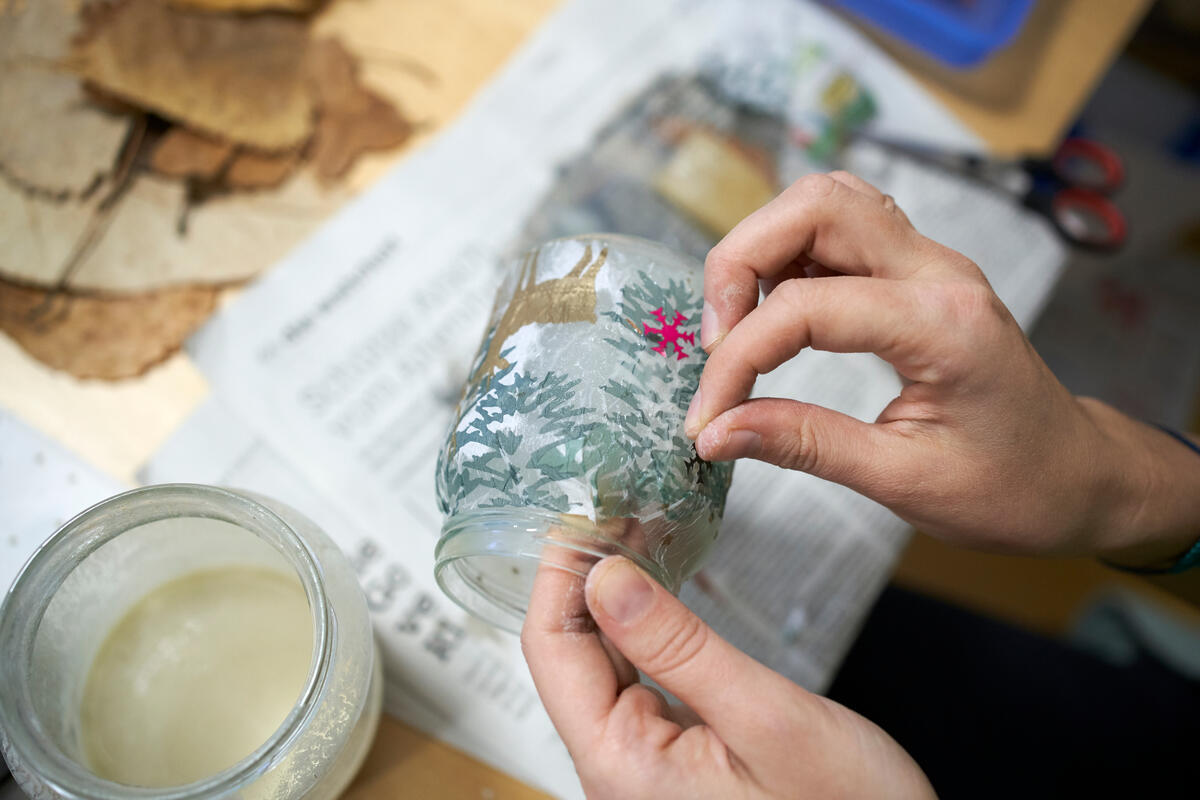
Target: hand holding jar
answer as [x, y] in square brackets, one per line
[982, 447]
[746, 732]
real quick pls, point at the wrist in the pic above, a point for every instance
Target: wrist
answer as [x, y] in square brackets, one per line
[1150, 492]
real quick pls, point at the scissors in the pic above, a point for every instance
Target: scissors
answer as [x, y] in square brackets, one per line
[1071, 188]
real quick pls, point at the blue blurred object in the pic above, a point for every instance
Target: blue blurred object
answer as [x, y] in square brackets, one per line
[1186, 144]
[961, 33]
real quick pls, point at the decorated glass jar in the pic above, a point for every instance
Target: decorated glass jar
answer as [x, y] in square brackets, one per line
[186, 642]
[568, 443]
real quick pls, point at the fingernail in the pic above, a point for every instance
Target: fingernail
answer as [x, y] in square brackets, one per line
[691, 423]
[710, 326]
[736, 444]
[623, 591]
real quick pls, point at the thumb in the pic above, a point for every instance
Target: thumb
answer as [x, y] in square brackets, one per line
[670, 644]
[800, 436]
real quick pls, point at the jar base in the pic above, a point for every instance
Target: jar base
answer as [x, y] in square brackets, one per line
[487, 560]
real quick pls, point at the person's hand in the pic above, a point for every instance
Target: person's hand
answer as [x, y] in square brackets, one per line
[747, 732]
[983, 446]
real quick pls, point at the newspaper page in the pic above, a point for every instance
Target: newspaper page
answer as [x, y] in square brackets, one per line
[42, 485]
[336, 373]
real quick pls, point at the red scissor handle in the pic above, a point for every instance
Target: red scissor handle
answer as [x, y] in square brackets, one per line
[1089, 219]
[1088, 164]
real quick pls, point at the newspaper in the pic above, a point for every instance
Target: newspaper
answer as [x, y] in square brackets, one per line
[335, 375]
[42, 485]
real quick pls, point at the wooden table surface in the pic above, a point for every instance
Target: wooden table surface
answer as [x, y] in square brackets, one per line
[405, 763]
[1021, 101]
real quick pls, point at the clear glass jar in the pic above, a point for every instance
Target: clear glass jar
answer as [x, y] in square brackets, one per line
[568, 444]
[96, 567]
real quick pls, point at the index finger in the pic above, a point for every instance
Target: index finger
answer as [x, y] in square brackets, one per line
[820, 218]
[844, 314]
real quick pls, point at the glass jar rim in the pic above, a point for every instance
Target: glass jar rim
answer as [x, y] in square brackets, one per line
[24, 606]
[522, 534]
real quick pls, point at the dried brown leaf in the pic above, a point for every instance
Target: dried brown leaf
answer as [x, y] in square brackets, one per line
[52, 141]
[246, 6]
[37, 234]
[236, 77]
[352, 119]
[36, 30]
[109, 337]
[229, 237]
[180, 153]
[433, 56]
[332, 71]
[254, 170]
[109, 102]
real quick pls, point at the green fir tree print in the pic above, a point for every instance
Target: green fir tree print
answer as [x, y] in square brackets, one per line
[609, 444]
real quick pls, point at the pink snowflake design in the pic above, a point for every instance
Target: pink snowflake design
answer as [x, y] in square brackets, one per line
[670, 334]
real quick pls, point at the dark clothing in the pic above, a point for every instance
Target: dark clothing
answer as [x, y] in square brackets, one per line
[989, 710]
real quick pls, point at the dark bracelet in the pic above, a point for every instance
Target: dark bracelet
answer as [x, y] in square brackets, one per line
[1174, 434]
[1192, 557]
